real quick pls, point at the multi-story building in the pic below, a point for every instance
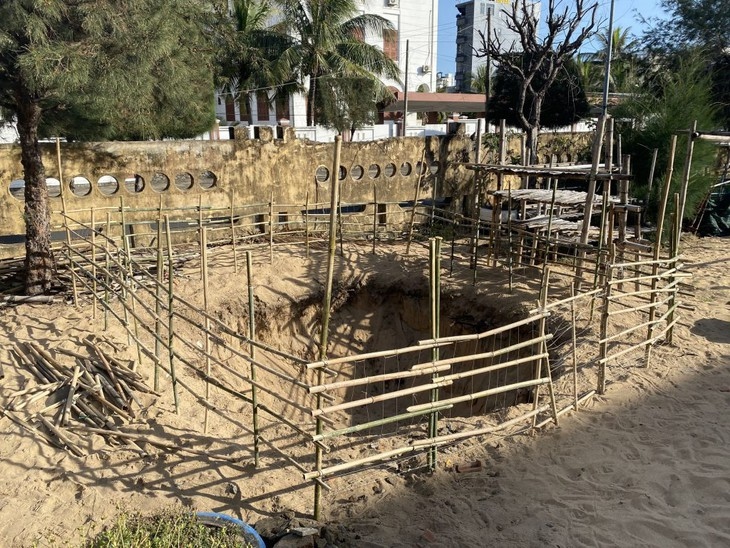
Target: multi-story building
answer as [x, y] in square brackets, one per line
[414, 36]
[470, 20]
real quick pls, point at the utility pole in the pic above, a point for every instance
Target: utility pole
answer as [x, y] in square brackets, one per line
[405, 93]
[488, 76]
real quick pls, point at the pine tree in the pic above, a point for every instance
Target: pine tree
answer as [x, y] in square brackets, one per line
[138, 69]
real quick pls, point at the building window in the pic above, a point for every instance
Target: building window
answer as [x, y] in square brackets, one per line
[262, 106]
[282, 107]
[390, 44]
[230, 109]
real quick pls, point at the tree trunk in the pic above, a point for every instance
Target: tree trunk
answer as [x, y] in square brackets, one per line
[532, 137]
[310, 100]
[39, 263]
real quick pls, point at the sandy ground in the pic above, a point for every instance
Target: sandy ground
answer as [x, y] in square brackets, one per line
[644, 465]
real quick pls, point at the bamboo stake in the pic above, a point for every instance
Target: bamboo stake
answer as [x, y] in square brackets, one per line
[158, 303]
[334, 200]
[252, 351]
[233, 229]
[375, 216]
[674, 251]
[306, 224]
[686, 171]
[435, 300]
[171, 315]
[204, 269]
[93, 261]
[415, 205]
[271, 228]
[603, 346]
[574, 347]
[658, 243]
[65, 218]
[107, 255]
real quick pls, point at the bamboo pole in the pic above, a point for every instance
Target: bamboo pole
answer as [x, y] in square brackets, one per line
[574, 345]
[375, 216]
[306, 224]
[65, 218]
[377, 378]
[93, 261]
[233, 229]
[334, 200]
[158, 303]
[674, 251]
[415, 205]
[686, 171]
[204, 272]
[252, 351]
[435, 301]
[171, 314]
[603, 346]
[271, 228]
[480, 394]
[107, 256]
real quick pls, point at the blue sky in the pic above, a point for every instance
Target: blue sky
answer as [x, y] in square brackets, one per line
[626, 15]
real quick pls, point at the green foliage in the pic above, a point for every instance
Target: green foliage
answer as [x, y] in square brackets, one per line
[329, 44]
[250, 55]
[101, 69]
[684, 96]
[564, 104]
[346, 103]
[164, 530]
[694, 25]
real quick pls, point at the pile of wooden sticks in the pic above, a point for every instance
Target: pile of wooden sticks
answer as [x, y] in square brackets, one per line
[98, 393]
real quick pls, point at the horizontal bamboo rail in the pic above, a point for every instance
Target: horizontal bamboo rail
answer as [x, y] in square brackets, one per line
[482, 394]
[427, 343]
[376, 378]
[379, 398]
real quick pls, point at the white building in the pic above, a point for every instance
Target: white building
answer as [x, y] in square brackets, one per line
[415, 31]
[471, 19]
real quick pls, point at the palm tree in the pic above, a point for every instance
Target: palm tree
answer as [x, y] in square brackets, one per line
[623, 58]
[328, 42]
[251, 54]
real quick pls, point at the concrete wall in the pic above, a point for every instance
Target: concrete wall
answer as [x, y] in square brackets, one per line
[252, 169]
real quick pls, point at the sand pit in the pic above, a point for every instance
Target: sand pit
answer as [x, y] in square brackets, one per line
[643, 464]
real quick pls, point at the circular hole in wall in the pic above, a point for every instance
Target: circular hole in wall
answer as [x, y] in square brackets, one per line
[134, 183]
[343, 173]
[357, 173]
[207, 179]
[17, 189]
[389, 170]
[322, 174]
[54, 187]
[183, 181]
[406, 168]
[374, 171]
[108, 185]
[80, 185]
[434, 168]
[420, 168]
[160, 182]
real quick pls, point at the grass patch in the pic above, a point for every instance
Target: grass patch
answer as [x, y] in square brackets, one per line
[170, 528]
